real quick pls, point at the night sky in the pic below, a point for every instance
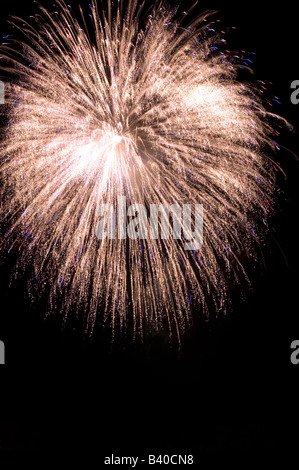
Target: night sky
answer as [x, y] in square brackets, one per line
[232, 385]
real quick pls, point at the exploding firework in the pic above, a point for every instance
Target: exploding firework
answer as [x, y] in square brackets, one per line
[135, 104]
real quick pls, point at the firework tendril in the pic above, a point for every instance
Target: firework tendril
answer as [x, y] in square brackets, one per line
[132, 102]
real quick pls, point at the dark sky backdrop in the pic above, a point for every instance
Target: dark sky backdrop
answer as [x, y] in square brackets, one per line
[232, 385]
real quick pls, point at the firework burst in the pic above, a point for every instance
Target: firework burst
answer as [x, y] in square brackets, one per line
[133, 104]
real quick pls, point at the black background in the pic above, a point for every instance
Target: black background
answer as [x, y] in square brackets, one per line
[232, 385]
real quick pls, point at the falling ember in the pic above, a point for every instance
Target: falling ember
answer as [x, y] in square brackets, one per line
[134, 105]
